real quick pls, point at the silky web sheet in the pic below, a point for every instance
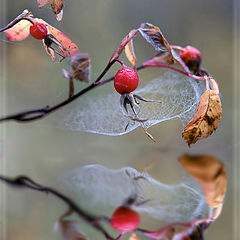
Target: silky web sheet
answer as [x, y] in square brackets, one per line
[102, 187]
[102, 114]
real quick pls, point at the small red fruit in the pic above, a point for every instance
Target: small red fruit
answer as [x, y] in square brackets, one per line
[192, 57]
[125, 219]
[38, 30]
[126, 80]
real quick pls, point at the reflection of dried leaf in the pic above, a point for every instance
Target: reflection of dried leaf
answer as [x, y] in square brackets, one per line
[57, 7]
[123, 43]
[69, 229]
[134, 236]
[210, 173]
[129, 51]
[80, 64]
[206, 119]
[181, 231]
[170, 231]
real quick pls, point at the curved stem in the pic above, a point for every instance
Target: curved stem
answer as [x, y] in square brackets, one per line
[177, 70]
[10, 25]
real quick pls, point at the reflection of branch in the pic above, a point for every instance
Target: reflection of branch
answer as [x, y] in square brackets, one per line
[25, 182]
[42, 112]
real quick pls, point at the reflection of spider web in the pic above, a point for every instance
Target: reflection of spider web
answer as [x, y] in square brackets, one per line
[103, 115]
[101, 187]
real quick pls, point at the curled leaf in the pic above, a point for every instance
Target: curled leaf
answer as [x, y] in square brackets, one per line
[57, 7]
[123, 43]
[154, 36]
[130, 54]
[206, 119]
[210, 173]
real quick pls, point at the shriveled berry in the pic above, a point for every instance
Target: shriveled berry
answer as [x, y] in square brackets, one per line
[125, 219]
[192, 57]
[38, 30]
[126, 80]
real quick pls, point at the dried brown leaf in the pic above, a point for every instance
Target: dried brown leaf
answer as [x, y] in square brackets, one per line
[211, 174]
[57, 7]
[154, 36]
[206, 119]
[80, 64]
[130, 54]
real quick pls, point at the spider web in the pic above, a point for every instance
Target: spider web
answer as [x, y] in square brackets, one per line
[106, 188]
[102, 114]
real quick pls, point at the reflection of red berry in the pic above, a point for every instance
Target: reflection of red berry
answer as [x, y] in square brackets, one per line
[125, 219]
[126, 80]
[38, 31]
[192, 57]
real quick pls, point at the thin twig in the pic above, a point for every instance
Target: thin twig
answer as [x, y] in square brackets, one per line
[35, 114]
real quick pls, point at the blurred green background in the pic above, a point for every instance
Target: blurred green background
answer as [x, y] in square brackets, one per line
[43, 152]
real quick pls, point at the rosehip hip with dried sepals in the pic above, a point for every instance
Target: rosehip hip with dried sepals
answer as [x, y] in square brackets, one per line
[192, 58]
[125, 219]
[38, 31]
[126, 80]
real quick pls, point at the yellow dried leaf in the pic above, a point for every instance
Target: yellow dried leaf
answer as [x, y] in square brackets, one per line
[211, 174]
[206, 119]
[130, 54]
[134, 236]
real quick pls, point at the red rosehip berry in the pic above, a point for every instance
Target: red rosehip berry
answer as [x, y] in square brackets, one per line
[125, 219]
[38, 30]
[126, 80]
[192, 57]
